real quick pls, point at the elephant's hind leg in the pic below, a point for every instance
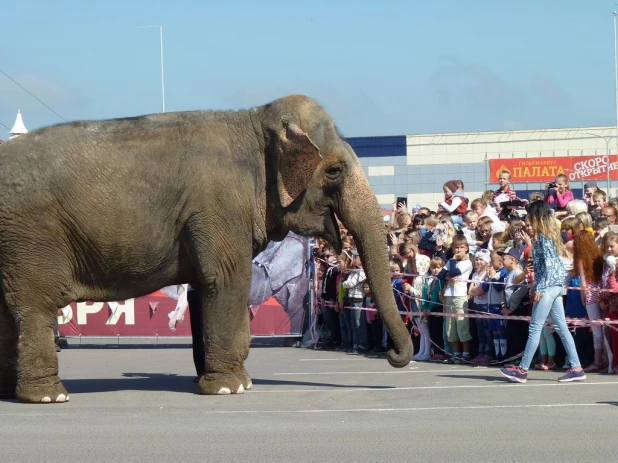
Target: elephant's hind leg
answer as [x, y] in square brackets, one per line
[8, 352]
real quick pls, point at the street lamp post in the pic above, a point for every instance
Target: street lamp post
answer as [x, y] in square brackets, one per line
[161, 46]
[615, 13]
[607, 139]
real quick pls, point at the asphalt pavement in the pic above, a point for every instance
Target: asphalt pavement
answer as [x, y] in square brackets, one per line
[139, 405]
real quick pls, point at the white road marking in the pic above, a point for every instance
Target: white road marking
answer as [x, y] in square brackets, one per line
[333, 360]
[496, 384]
[397, 372]
[406, 409]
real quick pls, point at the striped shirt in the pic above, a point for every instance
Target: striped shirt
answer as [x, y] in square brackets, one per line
[509, 192]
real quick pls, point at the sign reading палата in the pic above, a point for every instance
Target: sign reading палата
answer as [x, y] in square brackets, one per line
[576, 168]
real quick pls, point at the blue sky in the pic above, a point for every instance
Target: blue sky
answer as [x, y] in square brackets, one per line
[381, 68]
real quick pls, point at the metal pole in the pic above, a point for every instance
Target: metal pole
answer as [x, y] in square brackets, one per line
[162, 80]
[609, 164]
[615, 89]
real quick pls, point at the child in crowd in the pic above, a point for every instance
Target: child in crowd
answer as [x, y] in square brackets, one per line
[480, 305]
[600, 227]
[432, 287]
[469, 230]
[488, 197]
[609, 300]
[455, 205]
[376, 327]
[561, 195]
[494, 288]
[456, 273]
[398, 281]
[444, 233]
[598, 202]
[358, 322]
[483, 227]
[517, 237]
[427, 246]
[549, 273]
[460, 191]
[499, 241]
[510, 261]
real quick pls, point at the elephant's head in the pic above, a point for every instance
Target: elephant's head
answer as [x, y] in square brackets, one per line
[315, 177]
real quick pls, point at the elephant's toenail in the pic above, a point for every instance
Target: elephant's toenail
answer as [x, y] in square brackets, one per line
[224, 390]
[240, 390]
[250, 385]
[45, 400]
[61, 398]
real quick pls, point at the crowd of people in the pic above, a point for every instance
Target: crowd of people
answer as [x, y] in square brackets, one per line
[461, 268]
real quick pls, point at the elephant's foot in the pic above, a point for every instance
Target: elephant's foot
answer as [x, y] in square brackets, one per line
[52, 391]
[245, 379]
[220, 383]
[8, 385]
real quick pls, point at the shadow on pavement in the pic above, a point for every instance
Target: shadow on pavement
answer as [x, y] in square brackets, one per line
[615, 404]
[175, 383]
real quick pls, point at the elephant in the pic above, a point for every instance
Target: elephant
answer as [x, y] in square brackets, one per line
[114, 209]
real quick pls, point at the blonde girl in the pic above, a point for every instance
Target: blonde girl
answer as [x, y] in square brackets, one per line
[549, 275]
[562, 194]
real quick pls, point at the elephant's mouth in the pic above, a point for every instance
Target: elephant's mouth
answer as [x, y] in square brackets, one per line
[331, 232]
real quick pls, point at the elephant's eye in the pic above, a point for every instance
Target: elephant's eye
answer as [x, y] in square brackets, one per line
[333, 172]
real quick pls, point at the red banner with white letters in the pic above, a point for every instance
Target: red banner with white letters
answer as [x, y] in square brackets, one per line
[149, 316]
[576, 168]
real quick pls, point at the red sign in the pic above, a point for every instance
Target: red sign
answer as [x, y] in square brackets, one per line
[576, 168]
[150, 316]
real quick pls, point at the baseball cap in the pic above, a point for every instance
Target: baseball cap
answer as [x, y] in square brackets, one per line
[590, 184]
[510, 252]
[417, 207]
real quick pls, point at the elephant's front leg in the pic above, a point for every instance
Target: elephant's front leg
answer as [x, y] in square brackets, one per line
[37, 361]
[226, 334]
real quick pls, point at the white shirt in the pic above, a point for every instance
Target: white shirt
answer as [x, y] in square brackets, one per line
[455, 203]
[458, 286]
[478, 279]
[509, 287]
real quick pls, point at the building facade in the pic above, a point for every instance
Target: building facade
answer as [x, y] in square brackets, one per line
[416, 166]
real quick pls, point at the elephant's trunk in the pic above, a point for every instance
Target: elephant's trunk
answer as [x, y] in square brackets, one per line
[360, 213]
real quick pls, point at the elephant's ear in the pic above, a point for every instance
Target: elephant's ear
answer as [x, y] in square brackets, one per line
[299, 157]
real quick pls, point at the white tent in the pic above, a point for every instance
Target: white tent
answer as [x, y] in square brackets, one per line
[18, 128]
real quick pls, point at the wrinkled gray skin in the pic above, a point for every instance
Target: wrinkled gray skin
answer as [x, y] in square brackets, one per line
[116, 209]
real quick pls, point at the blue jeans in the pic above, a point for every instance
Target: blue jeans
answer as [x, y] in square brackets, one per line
[359, 327]
[550, 304]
